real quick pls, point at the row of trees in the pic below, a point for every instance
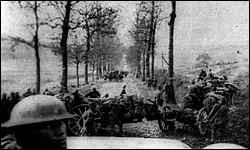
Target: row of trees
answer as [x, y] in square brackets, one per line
[80, 31]
[149, 16]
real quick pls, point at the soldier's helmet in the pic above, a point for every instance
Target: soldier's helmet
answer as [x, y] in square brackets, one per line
[93, 88]
[224, 146]
[37, 109]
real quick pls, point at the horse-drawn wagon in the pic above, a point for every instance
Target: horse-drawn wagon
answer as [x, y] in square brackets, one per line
[95, 116]
[204, 108]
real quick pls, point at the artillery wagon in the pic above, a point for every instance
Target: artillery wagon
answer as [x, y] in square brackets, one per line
[200, 108]
[115, 76]
[98, 116]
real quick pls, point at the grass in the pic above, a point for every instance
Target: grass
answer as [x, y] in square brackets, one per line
[19, 74]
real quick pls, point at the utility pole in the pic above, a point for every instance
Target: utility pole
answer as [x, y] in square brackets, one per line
[162, 62]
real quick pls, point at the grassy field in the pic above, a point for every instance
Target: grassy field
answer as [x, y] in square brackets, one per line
[19, 74]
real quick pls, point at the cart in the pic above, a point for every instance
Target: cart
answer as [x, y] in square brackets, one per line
[172, 114]
[99, 115]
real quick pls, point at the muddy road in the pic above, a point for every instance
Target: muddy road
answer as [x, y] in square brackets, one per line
[151, 129]
[148, 129]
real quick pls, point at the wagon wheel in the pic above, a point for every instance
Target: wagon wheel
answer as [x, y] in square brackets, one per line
[165, 126]
[77, 125]
[202, 122]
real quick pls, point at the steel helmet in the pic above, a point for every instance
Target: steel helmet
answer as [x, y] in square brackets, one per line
[36, 109]
[224, 146]
[93, 88]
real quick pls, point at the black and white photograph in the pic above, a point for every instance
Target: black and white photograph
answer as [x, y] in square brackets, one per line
[124, 75]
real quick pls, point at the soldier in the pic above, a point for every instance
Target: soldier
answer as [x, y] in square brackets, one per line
[106, 95]
[193, 98]
[123, 91]
[17, 96]
[218, 117]
[155, 84]
[93, 94]
[116, 116]
[202, 75]
[94, 120]
[37, 123]
[149, 83]
[34, 91]
[47, 92]
[210, 75]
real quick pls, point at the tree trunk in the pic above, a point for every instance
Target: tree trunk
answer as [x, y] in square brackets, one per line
[147, 65]
[171, 55]
[108, 64]
[100, 58]
[139, 64]
[36, 47]
[152, 39]
[111, 65]
[87, 53]
[148, 53]
[97, 69]
[143, 66]
[77, 74]
[153, 52]
[138, 48]
[86, 72]
[104, 64]
[100, 67]
[63, 45]
[93, 73]
[171, 41]
[98, 41]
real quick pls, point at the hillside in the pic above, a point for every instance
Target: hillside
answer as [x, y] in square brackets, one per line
[186, 56]
[18, 68]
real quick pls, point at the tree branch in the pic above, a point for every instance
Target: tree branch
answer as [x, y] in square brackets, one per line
[57, 7]
[23, 41]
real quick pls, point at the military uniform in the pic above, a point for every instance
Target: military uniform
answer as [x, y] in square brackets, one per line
[93, 94]
[37, 123]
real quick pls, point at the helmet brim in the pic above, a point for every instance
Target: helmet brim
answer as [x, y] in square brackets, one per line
[13, 123]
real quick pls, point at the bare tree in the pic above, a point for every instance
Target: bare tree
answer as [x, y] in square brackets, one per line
[105, 21]
[157, 16]
[171, 41]
[33, 29]
[65, 20]
[140, 36]
[76, 55]
[88, 25]
[171, 49]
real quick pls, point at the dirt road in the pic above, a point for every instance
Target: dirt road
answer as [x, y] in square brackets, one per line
[115, 88]
[150, 129]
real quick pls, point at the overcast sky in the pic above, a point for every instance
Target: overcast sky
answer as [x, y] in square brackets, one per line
[198, 23]
[203, 22]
